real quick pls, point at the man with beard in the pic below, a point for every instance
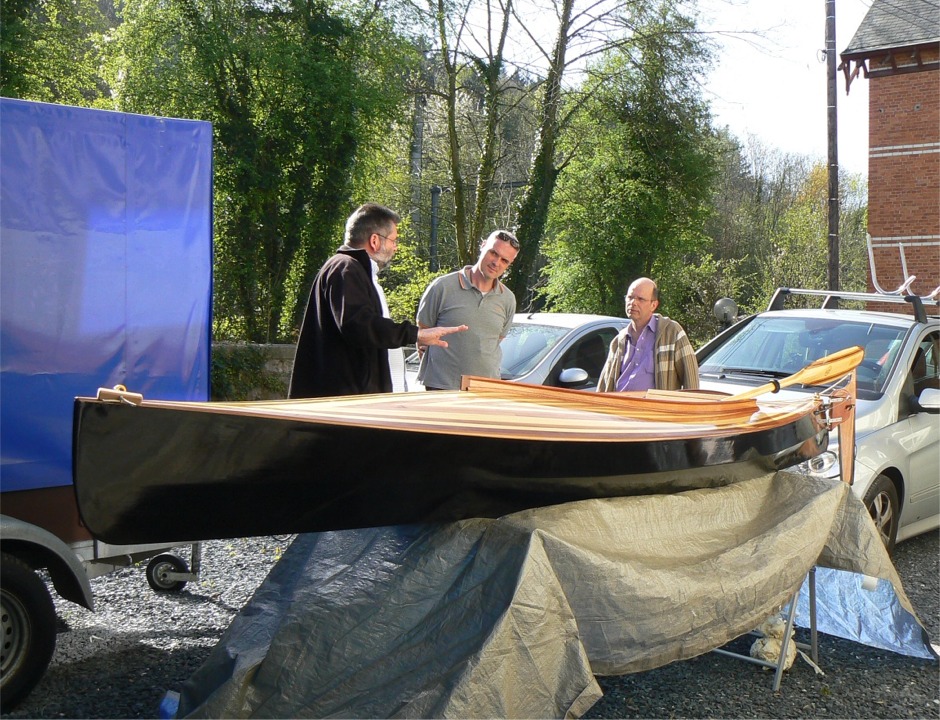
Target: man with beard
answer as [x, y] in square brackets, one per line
[347, 333]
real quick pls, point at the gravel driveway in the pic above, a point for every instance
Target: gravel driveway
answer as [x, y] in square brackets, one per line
[120, 660]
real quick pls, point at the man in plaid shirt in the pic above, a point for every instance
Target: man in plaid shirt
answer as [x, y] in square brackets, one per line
[652, 351]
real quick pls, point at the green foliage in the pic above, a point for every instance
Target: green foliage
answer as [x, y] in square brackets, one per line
[770, 219]
[689, 286]
[800, 240]
[405, 281]
[49, 50]
[637, 187]
[382, 172]
[295, 90]
[316, 104]
[735, 226]
[853, 227]
[238, 372]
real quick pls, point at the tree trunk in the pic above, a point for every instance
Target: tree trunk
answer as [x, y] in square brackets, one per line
[533, 210]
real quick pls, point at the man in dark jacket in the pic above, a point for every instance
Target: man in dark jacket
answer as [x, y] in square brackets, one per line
[347, 332]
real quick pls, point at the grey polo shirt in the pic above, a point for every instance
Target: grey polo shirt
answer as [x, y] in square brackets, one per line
[453, 299]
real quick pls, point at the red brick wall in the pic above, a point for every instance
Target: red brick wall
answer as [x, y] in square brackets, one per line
[904, 177]
[904, 108]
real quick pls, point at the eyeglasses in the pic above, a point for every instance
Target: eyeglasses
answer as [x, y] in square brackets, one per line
[386, 237]
[508, 237]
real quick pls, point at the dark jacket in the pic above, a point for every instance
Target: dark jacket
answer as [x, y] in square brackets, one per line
[344, 339]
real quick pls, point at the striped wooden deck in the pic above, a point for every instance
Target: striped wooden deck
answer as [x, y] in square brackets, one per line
[494, 408]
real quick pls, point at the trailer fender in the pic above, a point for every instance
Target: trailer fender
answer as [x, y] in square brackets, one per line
[39, 548]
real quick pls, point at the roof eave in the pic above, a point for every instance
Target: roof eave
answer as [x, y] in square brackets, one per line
[862, 56]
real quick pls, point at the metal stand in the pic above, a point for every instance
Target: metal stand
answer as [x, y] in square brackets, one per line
[813, 647]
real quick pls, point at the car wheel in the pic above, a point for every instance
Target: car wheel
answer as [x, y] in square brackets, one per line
[884, 508]
[28, 630]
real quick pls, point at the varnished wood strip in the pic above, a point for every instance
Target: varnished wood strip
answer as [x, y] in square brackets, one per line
[637, 405]
[456, 420]
[461, 413]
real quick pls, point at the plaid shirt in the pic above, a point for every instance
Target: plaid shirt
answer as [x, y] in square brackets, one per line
[676, 366]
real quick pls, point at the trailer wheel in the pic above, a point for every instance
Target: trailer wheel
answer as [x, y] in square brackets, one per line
[28, 627]
[158, 569]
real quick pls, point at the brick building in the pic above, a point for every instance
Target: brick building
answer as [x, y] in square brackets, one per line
[897, 48]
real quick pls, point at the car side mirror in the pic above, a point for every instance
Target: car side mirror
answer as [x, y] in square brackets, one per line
[928, 401]
[572, 376]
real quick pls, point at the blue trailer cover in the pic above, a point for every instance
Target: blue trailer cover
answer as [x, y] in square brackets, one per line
[105, 271]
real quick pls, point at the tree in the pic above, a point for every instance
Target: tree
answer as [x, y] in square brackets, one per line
[297, 90]
[49, 50]
[638, 185]
[647, 34]
[478, 96]
[486, 204]
[801, 250]
[689, 287]
[533, 209]
[769, 221]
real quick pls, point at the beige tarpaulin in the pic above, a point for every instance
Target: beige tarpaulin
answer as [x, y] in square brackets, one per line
[514, 617]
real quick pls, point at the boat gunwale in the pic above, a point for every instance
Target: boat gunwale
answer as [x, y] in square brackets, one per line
[360, 411]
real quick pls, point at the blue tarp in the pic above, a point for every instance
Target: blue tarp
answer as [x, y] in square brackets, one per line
[105, 271]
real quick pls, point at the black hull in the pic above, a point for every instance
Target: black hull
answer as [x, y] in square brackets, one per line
[147, 475]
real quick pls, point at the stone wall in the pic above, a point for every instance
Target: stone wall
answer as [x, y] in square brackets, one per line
[242, 371]
[280, 360]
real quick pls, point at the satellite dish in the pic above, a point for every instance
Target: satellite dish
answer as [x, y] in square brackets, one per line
[726, 310]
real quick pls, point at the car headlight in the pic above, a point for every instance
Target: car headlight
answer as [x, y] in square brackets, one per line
[824, 465]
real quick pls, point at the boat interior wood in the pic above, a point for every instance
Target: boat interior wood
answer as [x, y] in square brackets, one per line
[582, 416]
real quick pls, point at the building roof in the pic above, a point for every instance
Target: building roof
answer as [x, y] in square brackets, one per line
[891, 24]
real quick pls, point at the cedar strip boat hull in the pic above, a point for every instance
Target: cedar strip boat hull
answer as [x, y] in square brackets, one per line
[161, 471]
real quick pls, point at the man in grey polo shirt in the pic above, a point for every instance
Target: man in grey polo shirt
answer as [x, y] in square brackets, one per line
[475, 297]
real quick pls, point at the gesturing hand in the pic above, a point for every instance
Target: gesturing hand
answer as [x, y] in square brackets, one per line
[432, 336]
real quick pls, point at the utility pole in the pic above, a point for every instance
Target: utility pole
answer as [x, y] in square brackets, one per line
[436, 191]
[833, 214]
[417, 153]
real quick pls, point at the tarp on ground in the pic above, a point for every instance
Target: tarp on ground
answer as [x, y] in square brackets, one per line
[513, 617]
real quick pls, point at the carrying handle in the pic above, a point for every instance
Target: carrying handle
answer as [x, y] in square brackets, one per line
[120, 394]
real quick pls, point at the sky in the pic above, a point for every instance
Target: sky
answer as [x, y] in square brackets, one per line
[773, 86]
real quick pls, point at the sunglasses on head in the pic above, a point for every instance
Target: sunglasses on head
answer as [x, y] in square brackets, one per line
[508, 237]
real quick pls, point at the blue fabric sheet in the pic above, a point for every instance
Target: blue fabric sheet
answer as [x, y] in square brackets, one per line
[106, 273]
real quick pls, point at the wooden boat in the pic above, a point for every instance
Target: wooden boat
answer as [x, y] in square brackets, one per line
[154, 471]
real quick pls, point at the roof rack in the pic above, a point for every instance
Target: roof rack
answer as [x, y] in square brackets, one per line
[900, 243]
[832, 298]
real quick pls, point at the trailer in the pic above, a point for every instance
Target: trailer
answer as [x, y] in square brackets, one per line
[105, 280]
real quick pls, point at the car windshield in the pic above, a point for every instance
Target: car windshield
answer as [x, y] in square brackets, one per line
[525, 345]
[775, 346]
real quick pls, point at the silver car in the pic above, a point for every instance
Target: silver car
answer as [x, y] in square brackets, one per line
[555, 349]
[897, 468]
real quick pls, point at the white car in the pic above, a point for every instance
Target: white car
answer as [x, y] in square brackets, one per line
[555, 349]
[897, 468]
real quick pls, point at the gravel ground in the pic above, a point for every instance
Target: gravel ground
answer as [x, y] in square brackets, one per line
[119, 661]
